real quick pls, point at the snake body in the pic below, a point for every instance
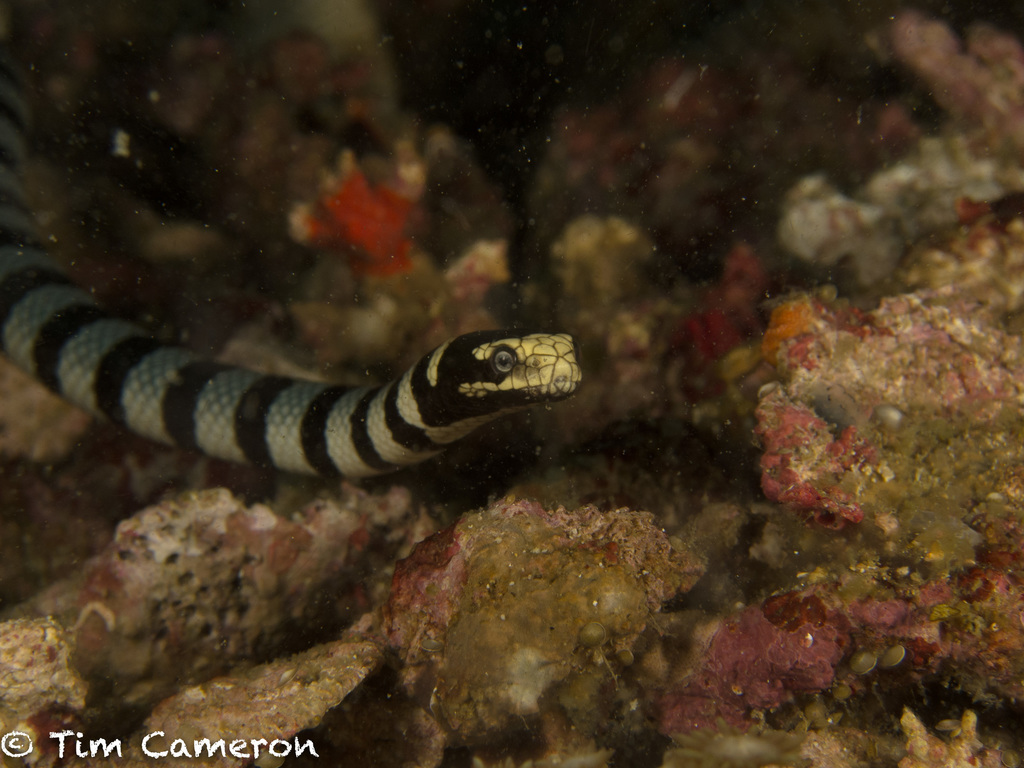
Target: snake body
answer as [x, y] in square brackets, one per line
[55, 331]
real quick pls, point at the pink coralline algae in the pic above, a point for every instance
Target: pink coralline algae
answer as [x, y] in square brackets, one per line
[759, 659]
[964, 627]
[982, 639]
[519, 611]
[815, 640]
[792, 429]
[887, 413]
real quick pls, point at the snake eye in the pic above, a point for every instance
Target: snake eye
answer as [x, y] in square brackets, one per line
[503, 360]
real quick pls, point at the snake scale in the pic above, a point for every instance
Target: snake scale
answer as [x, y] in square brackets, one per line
[54, 330]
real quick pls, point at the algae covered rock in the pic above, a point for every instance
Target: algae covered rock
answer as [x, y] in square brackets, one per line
[519, 611]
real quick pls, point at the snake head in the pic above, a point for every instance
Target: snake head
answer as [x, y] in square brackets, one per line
[536, 367]
[490, 371]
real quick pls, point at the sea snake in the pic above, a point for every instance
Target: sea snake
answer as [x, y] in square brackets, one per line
[107, 366]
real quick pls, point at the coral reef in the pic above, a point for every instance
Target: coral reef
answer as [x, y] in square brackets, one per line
[887, 413]
[850, 640]
[658, 349]
[837, 746]
[600, 257]
[518, 612]
[672, 152]
[781, 525]
[189, 587]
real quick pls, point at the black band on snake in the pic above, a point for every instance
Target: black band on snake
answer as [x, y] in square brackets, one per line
[54, 331]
